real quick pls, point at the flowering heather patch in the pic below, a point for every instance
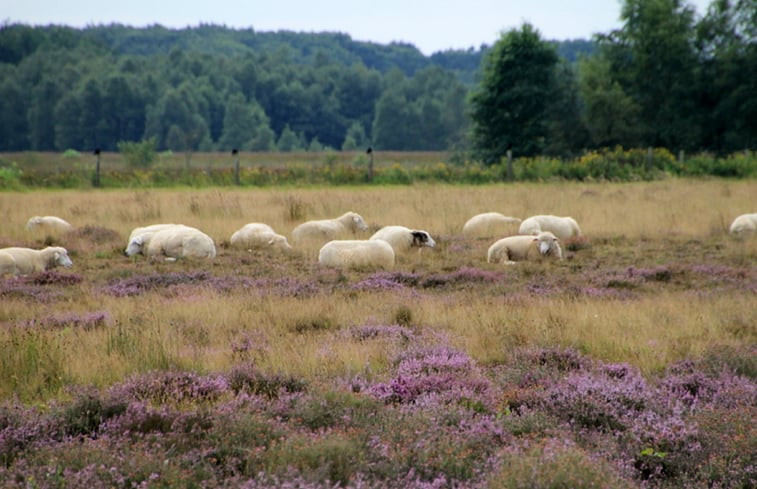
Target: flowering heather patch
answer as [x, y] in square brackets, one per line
[21, 288]
[377, 282]
[246, 379]
[444, 373]
[462, 276]
[86, 321]
[140, 284]
[53, 277]
[167, 387]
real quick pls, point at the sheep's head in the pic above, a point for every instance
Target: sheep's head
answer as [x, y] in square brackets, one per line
[280, 242]
[357, 222]
[134, 246]
[422, 238]
[32, 222]
[61, 258]
[548, 244]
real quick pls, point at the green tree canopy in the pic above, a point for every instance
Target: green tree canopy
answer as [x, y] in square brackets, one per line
[509, 105]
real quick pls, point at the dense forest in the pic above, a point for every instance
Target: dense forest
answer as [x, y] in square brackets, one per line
[667, 79]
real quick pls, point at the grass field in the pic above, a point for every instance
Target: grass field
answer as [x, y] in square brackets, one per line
[629, 363]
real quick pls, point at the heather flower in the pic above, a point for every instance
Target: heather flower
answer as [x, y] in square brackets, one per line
[163, 387]
[85, 321]
[394, 331]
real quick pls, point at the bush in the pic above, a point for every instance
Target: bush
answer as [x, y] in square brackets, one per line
[139, 155]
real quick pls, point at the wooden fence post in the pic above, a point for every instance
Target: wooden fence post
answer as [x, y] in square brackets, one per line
[235, 154]
[96, 181]
[510, 175]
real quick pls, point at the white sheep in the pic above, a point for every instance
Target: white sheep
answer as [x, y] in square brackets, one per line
[524, 247]
[27, 260]
[258, 235]
[490, 224]
[7, 264]
[49, 225]
[403, 239]
[744, 225]
[140, 237]
[562, 227]
[357, 253]
[181, 242]
[328, 229]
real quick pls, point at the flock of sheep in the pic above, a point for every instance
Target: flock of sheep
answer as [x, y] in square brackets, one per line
[538, 237]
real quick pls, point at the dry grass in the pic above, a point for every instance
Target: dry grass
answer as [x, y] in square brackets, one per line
[653, 321]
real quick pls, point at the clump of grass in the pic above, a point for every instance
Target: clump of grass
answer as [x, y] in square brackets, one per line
[403, 315]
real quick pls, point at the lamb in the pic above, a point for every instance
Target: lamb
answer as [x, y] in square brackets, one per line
[744, 225]
[27, 260]
[562, 227]
[49, 225]
[518, 248]
[490, 224]
[181, 242]
[368, 253]
[328, 229]
[140, 237]
[258, 235]
[403, 239]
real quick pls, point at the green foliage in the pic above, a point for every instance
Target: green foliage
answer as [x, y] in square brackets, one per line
[509, 107]
[138, 154]
[10, 175]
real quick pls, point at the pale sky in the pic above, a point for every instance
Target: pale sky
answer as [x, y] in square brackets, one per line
[431, 25]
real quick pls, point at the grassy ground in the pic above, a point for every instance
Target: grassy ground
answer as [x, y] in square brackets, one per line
[654, 281]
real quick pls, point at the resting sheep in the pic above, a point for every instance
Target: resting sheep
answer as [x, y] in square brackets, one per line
[258, 235]
[357, 253]
[27, 260]
[490, 224]
[181, 242]
[140, 237]
[744, 225]
[403, 239]
[48, 225]
[518, 248]
[562, 227]
[328, 229]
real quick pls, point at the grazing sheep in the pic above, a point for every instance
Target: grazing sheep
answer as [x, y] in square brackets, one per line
[27, 260]
[562, 227]
[328, 229]
[140, 237]
[518, 248]
[258, 235]
[403, 239]
[744, 225]
[49, 225]
[357, 253]
[181, 242]
[7, 264]
[490, 224]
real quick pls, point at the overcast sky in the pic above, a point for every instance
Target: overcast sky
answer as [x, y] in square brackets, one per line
[431, 25]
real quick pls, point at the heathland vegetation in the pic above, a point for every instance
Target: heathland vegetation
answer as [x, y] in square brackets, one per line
[629, 364]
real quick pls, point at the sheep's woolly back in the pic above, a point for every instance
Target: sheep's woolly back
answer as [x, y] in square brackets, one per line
[258, 235]
[524, 247]
[140, 237]
[28, 260]
[744, 225]
[357, 253]
[320, 231]
[402, 238]
[562, 227]
[7, 264]
[181, 242]
[48, 224]
[490, 224]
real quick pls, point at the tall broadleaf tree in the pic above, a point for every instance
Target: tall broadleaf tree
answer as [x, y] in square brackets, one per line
[509, 105]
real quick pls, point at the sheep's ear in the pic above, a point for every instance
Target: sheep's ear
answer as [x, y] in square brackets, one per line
[270, 241]
[56, 255]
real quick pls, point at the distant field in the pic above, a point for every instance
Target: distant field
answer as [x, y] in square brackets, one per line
[654, 281]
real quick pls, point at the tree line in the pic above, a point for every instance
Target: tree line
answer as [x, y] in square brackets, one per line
[666, 78]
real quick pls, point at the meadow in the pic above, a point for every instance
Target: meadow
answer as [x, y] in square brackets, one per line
[631, 363]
